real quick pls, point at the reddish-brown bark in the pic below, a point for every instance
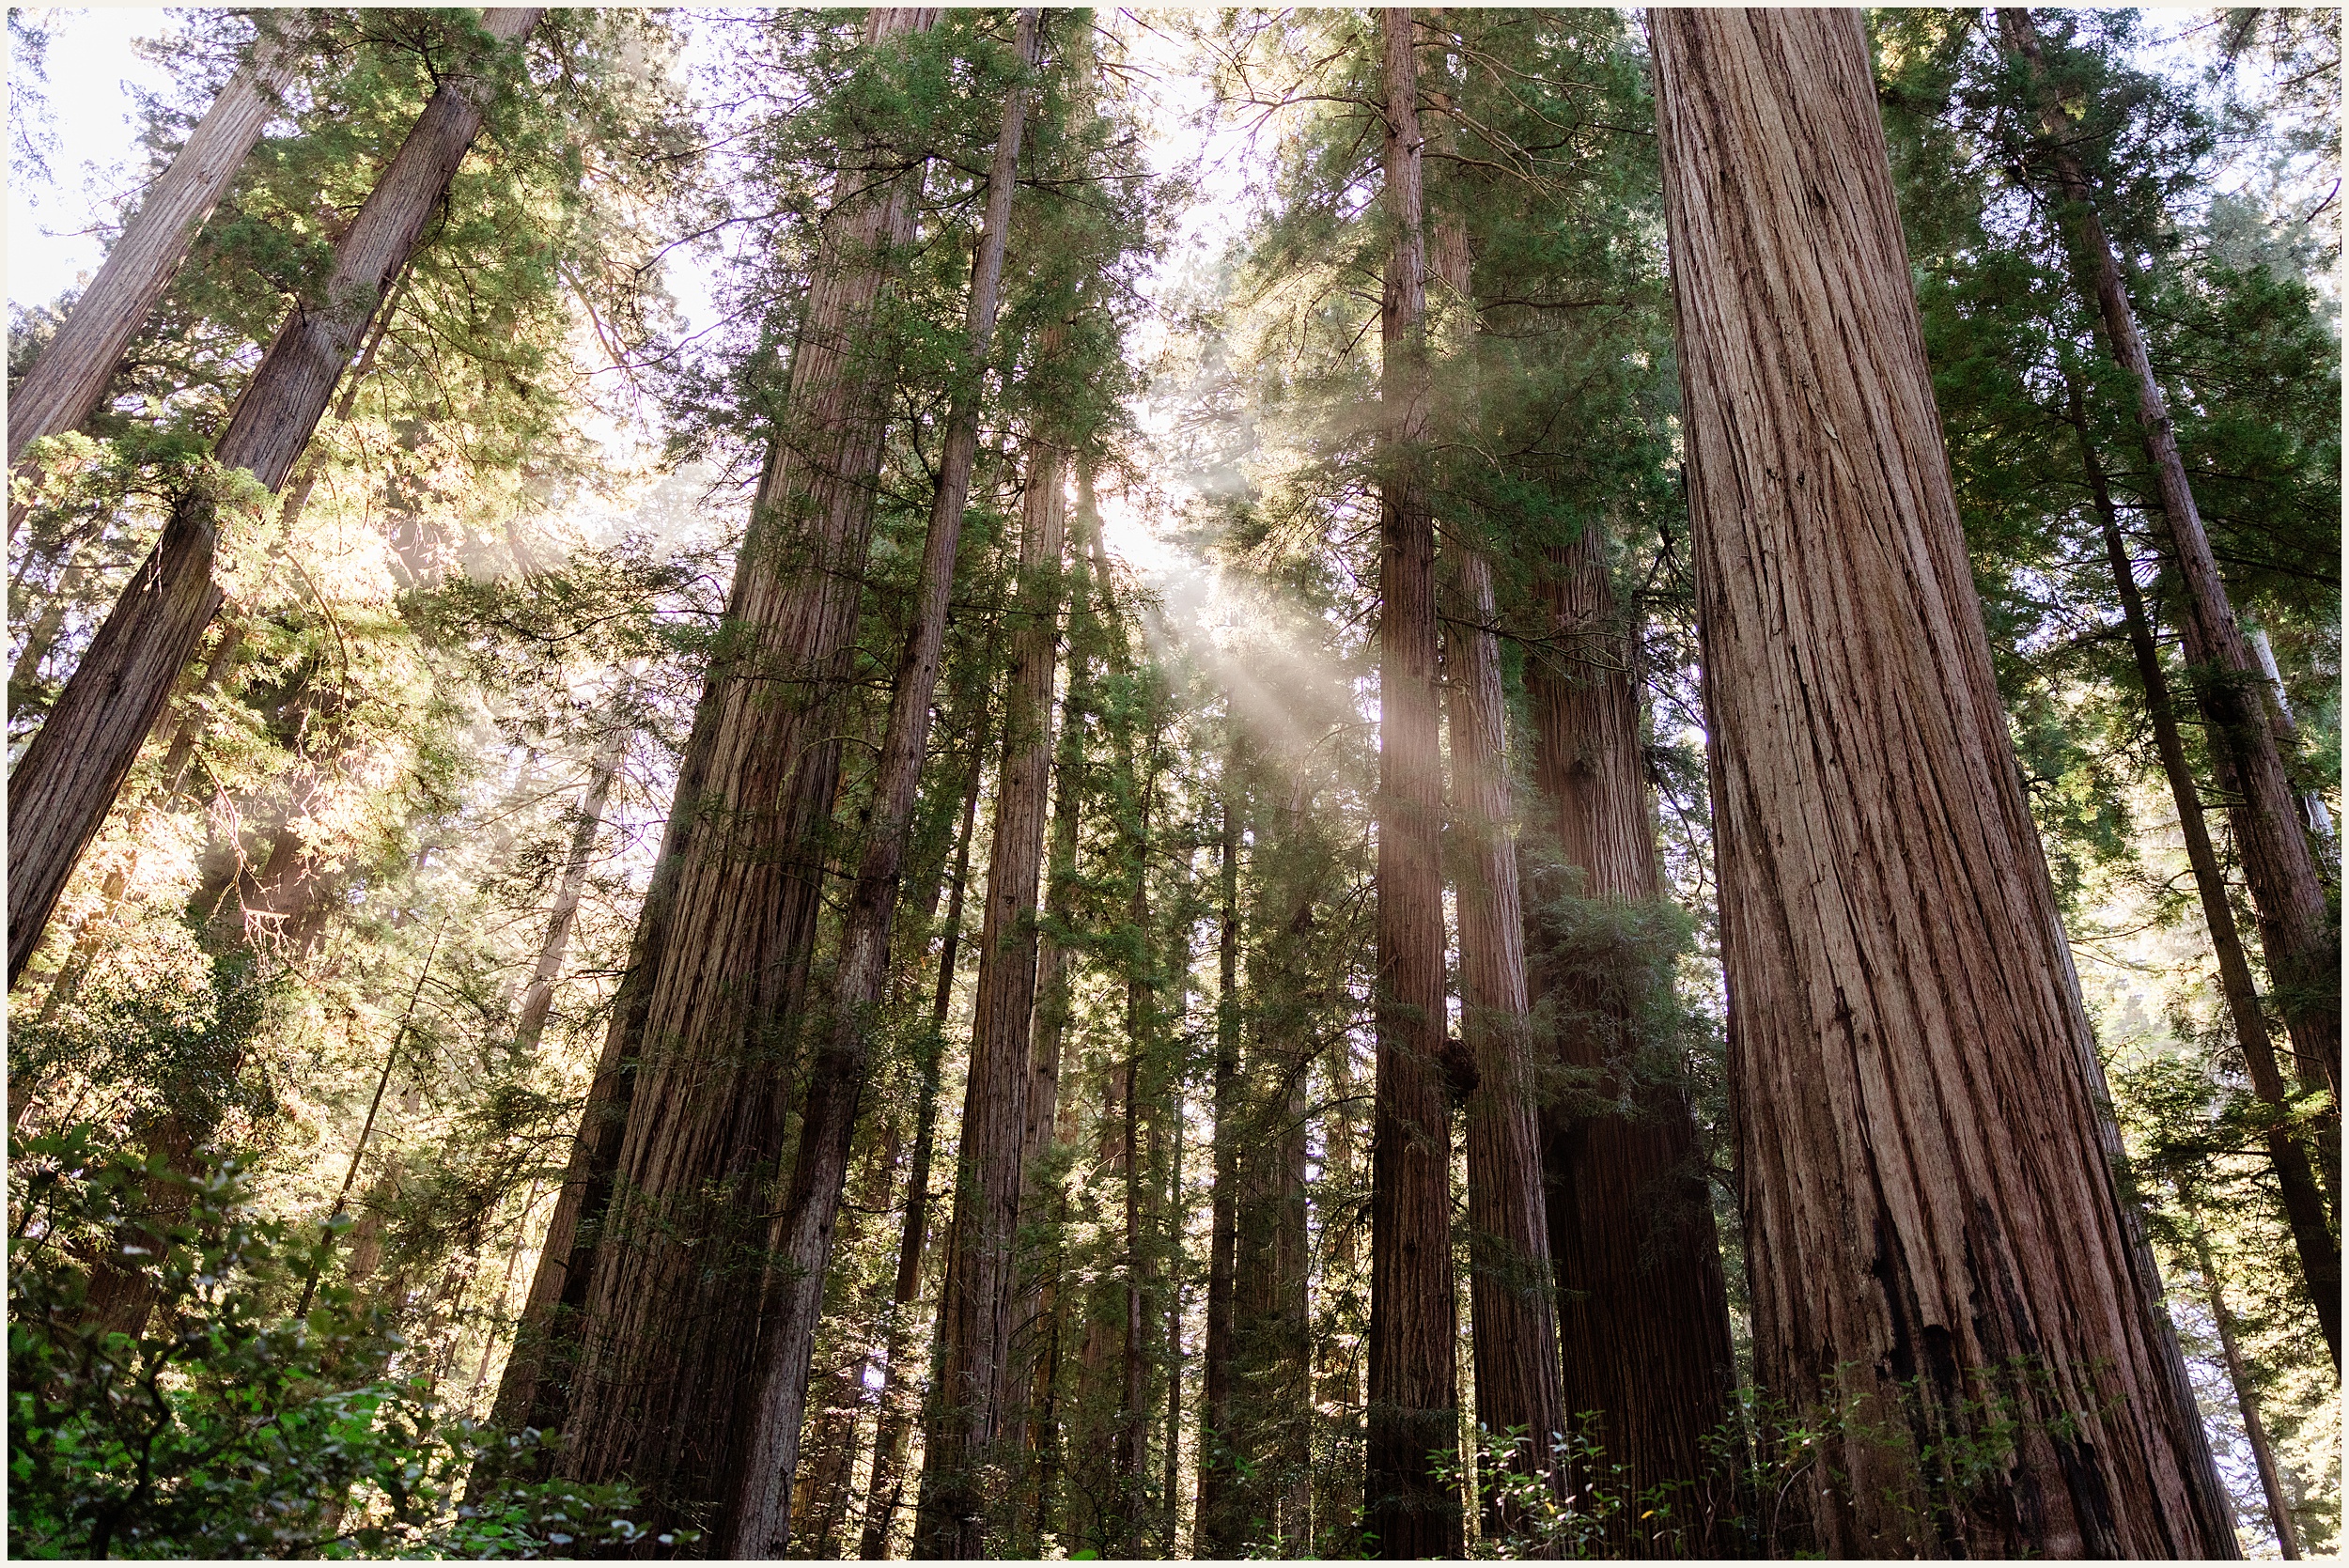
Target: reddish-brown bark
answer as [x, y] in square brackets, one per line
[530, 1019]
[1936, 1240]
[1413, 1414]
[65, 782]
[960, 1424]
[2297, 928]
[1642, 1315]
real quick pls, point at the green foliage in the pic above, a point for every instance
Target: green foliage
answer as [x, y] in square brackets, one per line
[258, 1411]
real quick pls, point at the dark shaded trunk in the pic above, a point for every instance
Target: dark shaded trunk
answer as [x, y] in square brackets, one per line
[895, 1424]
[2247, 1401]
[1218, 1528]
[1413, 1415]
[1642, 1313]
[2296, 929]
[758, 1522]
[2312, 1239]
[64, 785]
[1889, 933]
[963, 1421]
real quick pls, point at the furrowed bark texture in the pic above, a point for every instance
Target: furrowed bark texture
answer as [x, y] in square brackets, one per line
[1217, 1528]
[1512, 1300]
[530, 1020]
[966, 1403]
[1934, 1235]
[895, 1424]
[1413, 1413]
[759, 1522]
[1643, 1312]
[668, 1328]
[2296, 1175]
[65, 384]
[64, 785]
[2302, 942]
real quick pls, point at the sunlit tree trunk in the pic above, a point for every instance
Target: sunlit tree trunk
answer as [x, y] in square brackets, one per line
[65, 782]
[666, 1336]
[530, 1019]
[758, 1525]
[1934, 1237]
[2247, 1401]
[2297, 928]
[62, 388]
[1413, 1414]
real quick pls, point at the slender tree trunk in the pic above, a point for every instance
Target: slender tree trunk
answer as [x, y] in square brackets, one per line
[1414, 1399]
[1932, 1223]
[530, 1022]
[668, 1331]
[895, 1421]
[2302, 942]
[62, 388]
[2247, 1400]
[1171, 1309]
[1134, 1419]
[975, 1311]
[65, 782]
[2304, 1205]
[41, 636]
[1218, 1528]
[758, 1525]
[1642, 1315]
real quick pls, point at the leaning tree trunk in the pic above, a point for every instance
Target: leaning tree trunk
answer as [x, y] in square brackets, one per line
[2302, 941]
[967, 1397]
[667, 1333]
[1413, 1413]
[759, 1521]
[67, 779]
[62, 388]
[1643, 1314]
[530, 1021]
[2295, 1178]
[1935, 1241]
[2247, 1401]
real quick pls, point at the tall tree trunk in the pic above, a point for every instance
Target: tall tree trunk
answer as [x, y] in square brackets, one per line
[530, 1021]
[895, 1421]
[975, 1311]
[759, 1524]
[2304, 1205]
[2247, 1400]
[1134, 1419]
[667, 1339]
[1642, 1315]
[62, 388]
[1414, 1399]
[1512, 1300]
[1218, 1528]
[65, 782]
[2302, 942]
[1934, 1233]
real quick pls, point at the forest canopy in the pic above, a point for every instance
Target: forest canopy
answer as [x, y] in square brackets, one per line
[1048, 782]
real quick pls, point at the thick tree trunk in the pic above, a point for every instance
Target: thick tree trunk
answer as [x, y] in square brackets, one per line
[65, 782]
[758, 1523]
[1934, 1234]
[2304, 1205]
[62, 388]
[668, 1331]
[530, 1021]
[1643, 1314]
[975, 1311]
[1511, 1300]
[895, 1424]
[2302, 942]
[2247, 1400]
[1414, 1399]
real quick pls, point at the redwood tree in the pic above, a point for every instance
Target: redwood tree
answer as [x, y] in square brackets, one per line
[1937, 1248]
